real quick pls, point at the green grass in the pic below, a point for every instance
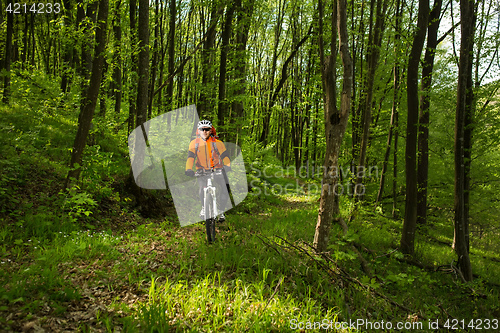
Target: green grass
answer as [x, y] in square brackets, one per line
[85, 260]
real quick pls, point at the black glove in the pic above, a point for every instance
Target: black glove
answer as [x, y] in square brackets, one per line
[227, 168]
[189, 173]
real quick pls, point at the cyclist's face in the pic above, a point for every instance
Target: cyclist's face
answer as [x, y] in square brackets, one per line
[205, 132]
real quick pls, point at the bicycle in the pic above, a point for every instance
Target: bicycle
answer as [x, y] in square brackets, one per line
[210, 201]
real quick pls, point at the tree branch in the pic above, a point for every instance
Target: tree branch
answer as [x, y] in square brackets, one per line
[184, 62]
[447, 33]
[284, 76]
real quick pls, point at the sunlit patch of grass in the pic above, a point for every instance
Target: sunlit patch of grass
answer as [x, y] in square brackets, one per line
[211, 304]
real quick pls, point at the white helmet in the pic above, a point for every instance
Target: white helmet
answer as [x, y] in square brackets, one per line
[204, 123]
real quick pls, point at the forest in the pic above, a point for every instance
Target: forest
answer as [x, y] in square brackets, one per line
[366, 133]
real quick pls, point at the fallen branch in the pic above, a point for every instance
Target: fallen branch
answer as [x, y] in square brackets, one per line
[346, 277]
[269, 245]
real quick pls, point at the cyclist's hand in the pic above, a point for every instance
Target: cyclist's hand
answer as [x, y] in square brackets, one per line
[189, 173]
[227, 168]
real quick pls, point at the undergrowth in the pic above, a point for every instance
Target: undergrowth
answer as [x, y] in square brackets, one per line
[85, 259]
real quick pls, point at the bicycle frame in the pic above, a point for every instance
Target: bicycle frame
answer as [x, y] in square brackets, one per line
[210, 208]
[212, 190]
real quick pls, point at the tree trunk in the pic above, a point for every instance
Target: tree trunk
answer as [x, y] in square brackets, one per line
[143, 67]
[335, 125]
[374, 44]
[389, 142]
[243, 21]
[395, 106]
[410, 221]
[132, 109]
[395, 210]
[464, 101]
[85, 67]
[90, 100]
[1, 16]
[103, 92]
[171, 53]
[204, 105]
[117, 58]
[269, 105]
[67, 49]
[8, 56]
[154, 62]
[226, 34]
[25, 39]
[358, 44]
[423, 123]
[281, 83]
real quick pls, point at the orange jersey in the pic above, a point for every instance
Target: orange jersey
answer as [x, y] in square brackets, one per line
[206, 156]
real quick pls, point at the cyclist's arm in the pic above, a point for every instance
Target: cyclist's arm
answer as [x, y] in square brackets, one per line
[191, 156]
[223, 153]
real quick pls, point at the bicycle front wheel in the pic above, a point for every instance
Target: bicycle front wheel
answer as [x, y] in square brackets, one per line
[209, 218]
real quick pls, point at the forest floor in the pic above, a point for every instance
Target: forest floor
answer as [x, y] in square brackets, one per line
[160, 277]
[92, 259]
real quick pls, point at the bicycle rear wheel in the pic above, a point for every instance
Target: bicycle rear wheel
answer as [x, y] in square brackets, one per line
[209, 218]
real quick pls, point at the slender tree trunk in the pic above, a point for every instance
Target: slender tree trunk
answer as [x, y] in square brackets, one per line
[388, 147]
[67, 48]
[33, 42]
[132, 111]
[204, 105]
[423, 123]
[270, 103]
[117, 58]
[335, 125]
[1, 15]
[243, 21]
[25, 39]
[162, 53]
[8, 56]
[394, 115]
[395, 107]
[464, 104]
[410, 221]
[171, 52]
[226, 34]
[86, 54]
[142, 88]
[143, 68]
[395, 210]
[374, 44]
[90, 100]
[103, 92]
[154, 63]
[281, 83]
[357, 99]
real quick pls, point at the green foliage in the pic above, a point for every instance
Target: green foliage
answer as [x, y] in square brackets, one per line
[150, 275]
[78, 204]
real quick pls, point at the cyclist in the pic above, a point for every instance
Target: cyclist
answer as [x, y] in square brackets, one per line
[209, 153]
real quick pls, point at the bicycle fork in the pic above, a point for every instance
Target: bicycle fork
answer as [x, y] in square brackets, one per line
[210, 189]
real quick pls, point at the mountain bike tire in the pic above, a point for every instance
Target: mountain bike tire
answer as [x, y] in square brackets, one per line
[209, 218]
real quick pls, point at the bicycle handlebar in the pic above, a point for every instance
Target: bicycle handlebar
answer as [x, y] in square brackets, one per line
[203, 172]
